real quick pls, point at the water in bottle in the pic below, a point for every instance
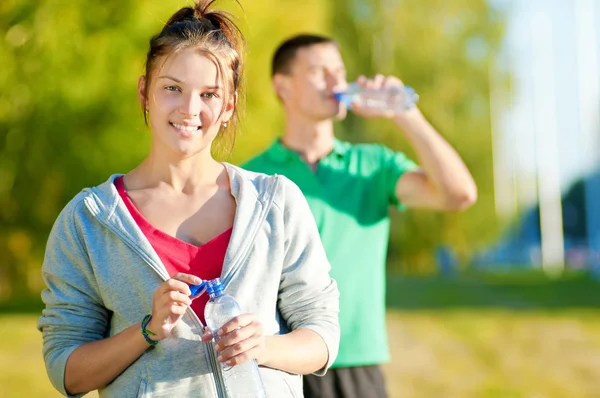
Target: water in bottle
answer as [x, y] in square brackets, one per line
[241, 381]
[396, 99]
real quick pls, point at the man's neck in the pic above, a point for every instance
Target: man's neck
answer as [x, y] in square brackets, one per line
[311, 140]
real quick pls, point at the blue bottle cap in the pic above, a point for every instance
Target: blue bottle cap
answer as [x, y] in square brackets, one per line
[343, 98]
[196, 289]
[214, 286]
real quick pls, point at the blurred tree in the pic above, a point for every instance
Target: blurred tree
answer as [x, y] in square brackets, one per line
[69, 115]
[445, 50]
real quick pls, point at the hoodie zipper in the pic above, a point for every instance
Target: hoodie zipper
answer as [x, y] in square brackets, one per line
[244, 250]
[215, 366]
[216, 369]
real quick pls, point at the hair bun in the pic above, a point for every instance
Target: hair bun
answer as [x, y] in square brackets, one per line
[201, 8]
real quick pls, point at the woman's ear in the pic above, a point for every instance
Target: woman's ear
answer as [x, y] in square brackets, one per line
[230, 107]
[142, 92]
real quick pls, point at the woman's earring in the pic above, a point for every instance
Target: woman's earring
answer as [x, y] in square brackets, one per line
[224, 125]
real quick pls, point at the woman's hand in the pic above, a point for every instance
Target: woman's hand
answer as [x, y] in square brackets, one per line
[239, 340]
[171, 300]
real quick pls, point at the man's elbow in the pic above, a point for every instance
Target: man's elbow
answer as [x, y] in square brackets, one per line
[461, 200]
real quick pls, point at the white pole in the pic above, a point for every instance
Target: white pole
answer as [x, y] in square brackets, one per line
[503, 160]
[504, 126]
[547, 160]
[589, 100]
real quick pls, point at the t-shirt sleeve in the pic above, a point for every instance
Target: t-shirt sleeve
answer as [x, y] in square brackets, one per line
[395, 164]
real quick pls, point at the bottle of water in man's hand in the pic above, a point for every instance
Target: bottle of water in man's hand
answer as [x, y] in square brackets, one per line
[242, 381]
[395, 99]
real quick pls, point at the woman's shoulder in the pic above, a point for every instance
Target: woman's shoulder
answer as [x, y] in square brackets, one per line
[270, 189]
[260, 183]
[99, 197]
[276, 185]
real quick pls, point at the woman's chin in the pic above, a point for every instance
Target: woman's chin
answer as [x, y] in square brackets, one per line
[183, 145]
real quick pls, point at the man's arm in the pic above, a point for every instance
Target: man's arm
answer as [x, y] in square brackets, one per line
[443, 182]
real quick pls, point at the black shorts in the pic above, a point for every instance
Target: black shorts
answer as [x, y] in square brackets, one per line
[355, 382]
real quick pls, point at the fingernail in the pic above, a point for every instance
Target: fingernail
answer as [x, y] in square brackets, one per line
[217, 347]
[220, 358]
[197, 281]
[221, 332]
[229, 363]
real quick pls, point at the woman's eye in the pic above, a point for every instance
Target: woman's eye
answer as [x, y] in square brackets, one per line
[210, 95]
[172, 88]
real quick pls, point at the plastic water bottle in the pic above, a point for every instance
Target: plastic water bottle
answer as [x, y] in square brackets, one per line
[396, 99]
[241, 381]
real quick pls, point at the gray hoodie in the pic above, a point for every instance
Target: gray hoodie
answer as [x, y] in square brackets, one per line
[101, 271]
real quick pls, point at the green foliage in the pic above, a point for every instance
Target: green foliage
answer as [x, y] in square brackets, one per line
[69, 115]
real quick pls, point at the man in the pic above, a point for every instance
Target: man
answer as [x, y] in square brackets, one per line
[349, 189]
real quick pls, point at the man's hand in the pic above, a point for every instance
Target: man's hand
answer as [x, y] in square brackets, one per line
[378, 82]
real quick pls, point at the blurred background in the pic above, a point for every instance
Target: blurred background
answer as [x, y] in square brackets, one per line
[499, 301]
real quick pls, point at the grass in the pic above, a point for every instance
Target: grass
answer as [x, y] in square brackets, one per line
[22, 371]
[515, 290]
[494, 335]
[494, 353]
[483, 336]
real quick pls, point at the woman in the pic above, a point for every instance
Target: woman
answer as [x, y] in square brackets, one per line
[121, 256]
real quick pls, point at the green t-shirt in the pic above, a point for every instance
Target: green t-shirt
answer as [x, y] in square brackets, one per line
[349, 195]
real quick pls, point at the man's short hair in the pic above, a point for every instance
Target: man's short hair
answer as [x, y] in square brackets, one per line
[286, 52]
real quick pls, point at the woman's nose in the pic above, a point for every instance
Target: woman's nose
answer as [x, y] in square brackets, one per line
[190, 106]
